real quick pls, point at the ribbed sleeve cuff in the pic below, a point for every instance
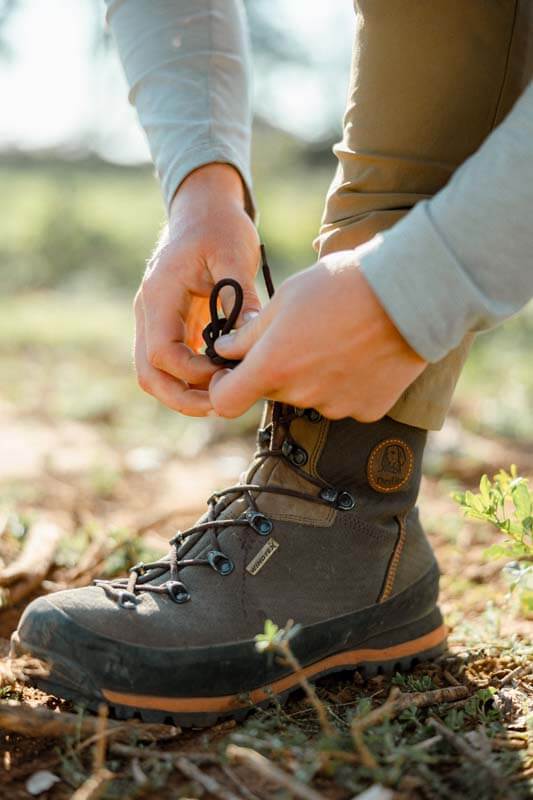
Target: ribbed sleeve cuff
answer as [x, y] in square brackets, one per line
[421, 284]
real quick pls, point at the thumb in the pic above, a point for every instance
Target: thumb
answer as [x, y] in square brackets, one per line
[236, 344]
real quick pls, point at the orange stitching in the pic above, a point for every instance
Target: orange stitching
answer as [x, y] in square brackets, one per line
[371, 463]
[394, 561]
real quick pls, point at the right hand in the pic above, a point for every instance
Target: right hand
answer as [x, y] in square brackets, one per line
[210, 237]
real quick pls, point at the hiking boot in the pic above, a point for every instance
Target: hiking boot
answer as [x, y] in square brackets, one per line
[322, 529]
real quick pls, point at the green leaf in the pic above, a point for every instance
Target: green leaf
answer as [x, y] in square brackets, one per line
[496, 551]
[484, 488]
[521, 500]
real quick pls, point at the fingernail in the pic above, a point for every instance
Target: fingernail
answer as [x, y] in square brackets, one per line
[248, 316]
[224, 340]
[212, 413]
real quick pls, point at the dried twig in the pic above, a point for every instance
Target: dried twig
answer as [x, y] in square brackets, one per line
[281, 645]
[360, 724]
[469, 752]
[128, 750]
[209, 783]
[234, 778]
[270, 772]
[452, 680]
[20, 668]
[395, 704]
[101, 739]
[518, 672]
[26, 573]
[94, 786]
[42, 722]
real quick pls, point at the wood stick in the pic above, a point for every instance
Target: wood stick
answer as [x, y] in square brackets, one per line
[518, 672]
[26, 573]
[234, 778]
[101, 739]
[469, 752]
[128, 750]
[42, 722]
[209, 783]
[395, 704]
[94, 786]
[266, 769]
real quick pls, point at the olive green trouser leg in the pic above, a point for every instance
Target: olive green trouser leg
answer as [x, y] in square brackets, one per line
[429, 81]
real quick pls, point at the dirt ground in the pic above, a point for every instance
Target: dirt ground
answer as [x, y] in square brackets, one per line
[130, 504]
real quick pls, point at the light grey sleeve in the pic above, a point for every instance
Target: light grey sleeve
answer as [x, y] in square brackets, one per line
[463, 261]
[188, 67]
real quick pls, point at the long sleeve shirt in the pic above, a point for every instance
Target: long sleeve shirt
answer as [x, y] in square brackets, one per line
[460, 262]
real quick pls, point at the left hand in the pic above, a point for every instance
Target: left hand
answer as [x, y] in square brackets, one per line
[324, 341]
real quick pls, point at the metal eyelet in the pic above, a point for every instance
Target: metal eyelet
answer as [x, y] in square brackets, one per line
[177, 592]
[287, 447]
[263, 436]
[345, 501]
[296, 455]
[299, 412]
[127, 600]
[313, 415]
[329, 494]
[220, 562]
[259, 522]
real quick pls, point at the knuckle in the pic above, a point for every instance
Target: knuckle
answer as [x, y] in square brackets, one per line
[144, 383]
[332, 412]
[156, 356]
[223, 408]
[366, 415]
[279, 373]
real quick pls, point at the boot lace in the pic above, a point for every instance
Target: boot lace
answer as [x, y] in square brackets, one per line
[127, 591]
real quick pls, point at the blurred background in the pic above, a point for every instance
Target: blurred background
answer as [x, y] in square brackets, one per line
[80, 210]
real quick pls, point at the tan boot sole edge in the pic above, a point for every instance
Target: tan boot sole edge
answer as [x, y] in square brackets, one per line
[232, 702]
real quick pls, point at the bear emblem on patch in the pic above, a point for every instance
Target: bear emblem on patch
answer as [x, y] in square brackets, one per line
[390, 465]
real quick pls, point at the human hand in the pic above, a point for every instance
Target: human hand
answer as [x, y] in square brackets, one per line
[210, 237]
[323, 341]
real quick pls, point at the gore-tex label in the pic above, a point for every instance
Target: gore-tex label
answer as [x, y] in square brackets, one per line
[259, 560]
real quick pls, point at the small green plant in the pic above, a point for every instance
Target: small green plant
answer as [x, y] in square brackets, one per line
[506, 502]
[277, 640]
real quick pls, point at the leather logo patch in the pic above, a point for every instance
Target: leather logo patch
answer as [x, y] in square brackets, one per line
[390, 465]
[259, 560]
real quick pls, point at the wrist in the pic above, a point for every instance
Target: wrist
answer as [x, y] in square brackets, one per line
[216, 180]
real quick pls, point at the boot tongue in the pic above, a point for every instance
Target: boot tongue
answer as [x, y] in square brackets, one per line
[278, 426]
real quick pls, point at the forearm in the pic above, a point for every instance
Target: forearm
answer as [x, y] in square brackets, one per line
[463, 261]
[188, 67]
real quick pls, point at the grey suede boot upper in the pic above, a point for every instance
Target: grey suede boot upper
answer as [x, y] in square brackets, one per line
[343, 536]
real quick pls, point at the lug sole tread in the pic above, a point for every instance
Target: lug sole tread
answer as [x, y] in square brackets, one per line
[208, 719]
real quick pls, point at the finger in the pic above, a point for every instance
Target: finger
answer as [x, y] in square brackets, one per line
[173, 393]
[239, 342]
[179, 361]
[197, 318]
[164, 331]
[232, 392]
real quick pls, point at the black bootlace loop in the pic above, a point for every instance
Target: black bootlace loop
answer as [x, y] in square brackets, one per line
[220, 326]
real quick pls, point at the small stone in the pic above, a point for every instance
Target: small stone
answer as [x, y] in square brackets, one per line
[40, 782]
